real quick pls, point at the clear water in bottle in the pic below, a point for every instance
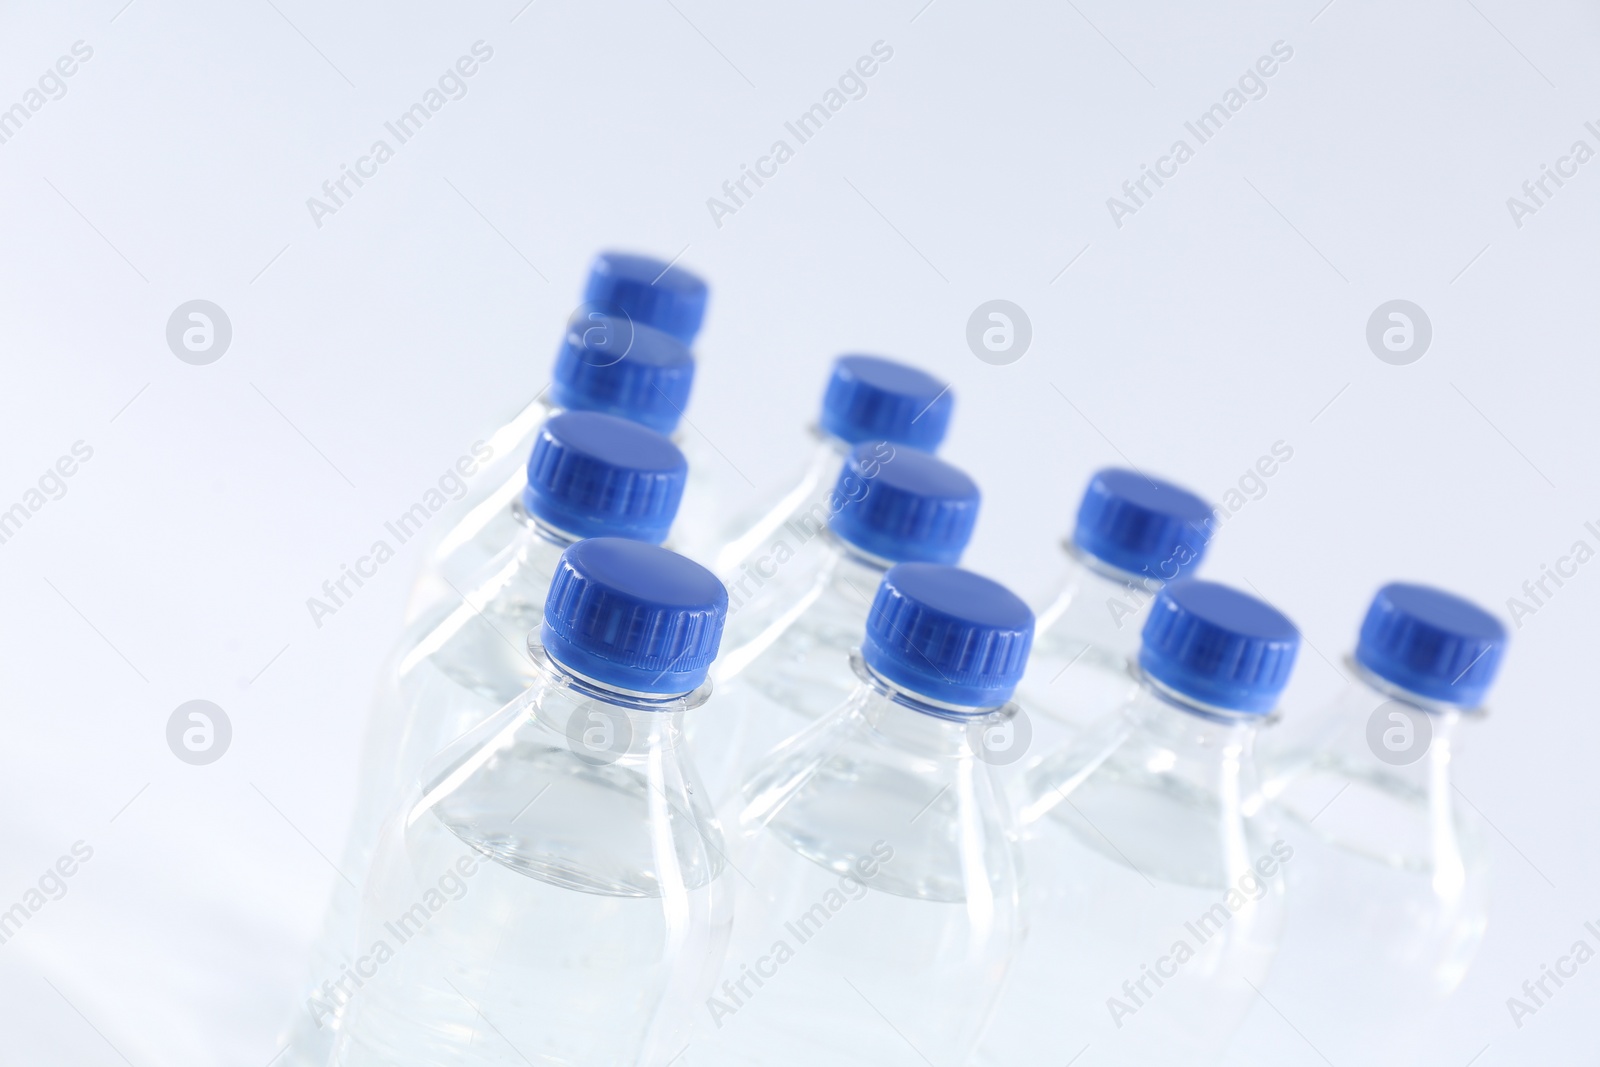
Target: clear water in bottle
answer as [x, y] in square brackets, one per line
[1392, 896]
[880, 900]
[1156, 889]
[590, 475]
[555, 889]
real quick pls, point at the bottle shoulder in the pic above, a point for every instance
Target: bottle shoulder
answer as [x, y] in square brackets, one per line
[480, 640]
[1172, 794]
[576, 791]
[851, 785]
[1374, 776]
[759, 536]
[811, 612]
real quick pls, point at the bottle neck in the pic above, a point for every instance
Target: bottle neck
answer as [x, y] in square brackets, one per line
[1399, 735]
[1096, 607]
[508, 595]
[1168, 713]
[526, 568]
[1203, 751]
[613, 760]
[534, 414]
[1398, 749]
[1387, 690]
[766, 599]
[851, 571]
[537, 529]
[827, 459]
[827, 444]
[610, 719]
[918, 723]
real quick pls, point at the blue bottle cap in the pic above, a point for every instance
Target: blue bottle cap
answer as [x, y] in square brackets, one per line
[649, 291]
[948, 634]
[594, 475]
[1431, 643]
[634, 616]
[1218, 646]
[906, 508]
[870, 398]
[1142, 525]
[632, 371]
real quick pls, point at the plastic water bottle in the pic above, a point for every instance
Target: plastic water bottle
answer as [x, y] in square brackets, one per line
[554, 890]
[1133, 535]
[795, 615]
[1157, 890]
[625, 352]
[588, 475]
[880, 903]
[1391, 901]
[868, 398]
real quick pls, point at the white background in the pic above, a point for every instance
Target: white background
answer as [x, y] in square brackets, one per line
[369, 353]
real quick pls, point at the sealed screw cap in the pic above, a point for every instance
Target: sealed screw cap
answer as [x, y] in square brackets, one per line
[623, 369]
[910, 508]
[872, 398]
[1218, 646]
[948, 634]
[1431, 643]
[594, 475]
[1142, 525]
[634, 615]
[649, 291]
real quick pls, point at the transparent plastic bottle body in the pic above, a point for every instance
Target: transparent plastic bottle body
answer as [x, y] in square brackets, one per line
[474, 661]
[439, 685]
[1081, 668]
[880, 903]
[478, 527]
[540, 901]
[1391, 903]
[786, 660]
[708, 516]
[754, 536]
[1156, 894]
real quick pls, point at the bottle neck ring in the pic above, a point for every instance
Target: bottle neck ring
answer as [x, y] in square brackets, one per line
[898, 694]
[1189, 705]
[552, 670]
